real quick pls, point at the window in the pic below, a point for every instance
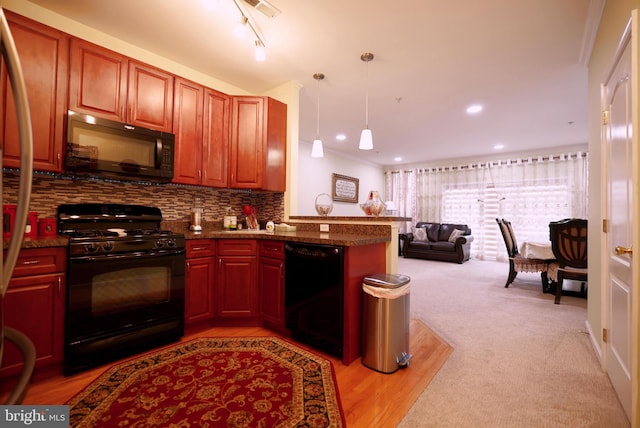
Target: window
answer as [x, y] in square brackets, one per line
[528, 192]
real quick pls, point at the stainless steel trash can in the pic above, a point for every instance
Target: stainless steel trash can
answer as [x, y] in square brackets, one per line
[385, 322]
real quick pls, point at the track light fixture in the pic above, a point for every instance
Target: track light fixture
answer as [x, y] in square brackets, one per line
[317, 150]
[245, 21]
[241, 28]
[261, 55]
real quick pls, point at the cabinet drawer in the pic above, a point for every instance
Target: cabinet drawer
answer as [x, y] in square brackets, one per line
[40, 261]
[200, 248]
[272, 249]
[237, 247]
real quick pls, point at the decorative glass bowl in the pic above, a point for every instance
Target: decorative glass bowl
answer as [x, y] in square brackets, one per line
[324, 204]
[374, 205]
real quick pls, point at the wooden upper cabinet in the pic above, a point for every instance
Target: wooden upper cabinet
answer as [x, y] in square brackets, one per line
[275, 161]
[187, 125]
[215, 139]
[201, 125]
[115, 87]
[247, 124]
[43, 53]
[150, 97]
[258, 143]
[97, 81]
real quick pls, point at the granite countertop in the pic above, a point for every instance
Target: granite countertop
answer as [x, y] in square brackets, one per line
[368, 219]
[347, 240]
[40, 242]
[344, 239]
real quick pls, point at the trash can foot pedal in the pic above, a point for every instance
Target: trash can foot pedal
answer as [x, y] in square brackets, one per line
[403, 360]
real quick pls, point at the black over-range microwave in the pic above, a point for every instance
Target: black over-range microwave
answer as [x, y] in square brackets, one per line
[104, 148]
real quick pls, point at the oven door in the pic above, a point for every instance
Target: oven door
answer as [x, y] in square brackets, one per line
[112, 295]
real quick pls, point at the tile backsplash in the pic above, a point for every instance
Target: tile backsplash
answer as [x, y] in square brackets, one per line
[174, 200]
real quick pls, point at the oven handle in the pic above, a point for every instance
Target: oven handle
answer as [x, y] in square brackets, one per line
[127, 256]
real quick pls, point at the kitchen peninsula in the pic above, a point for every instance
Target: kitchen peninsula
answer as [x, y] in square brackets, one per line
[364, 254]
[388, 226]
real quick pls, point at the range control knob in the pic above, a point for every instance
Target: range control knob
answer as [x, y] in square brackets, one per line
[171, 243]
[159, 243]
[107, 246]
[91, 248]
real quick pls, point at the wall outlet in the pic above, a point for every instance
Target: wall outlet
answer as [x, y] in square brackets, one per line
[324, 228]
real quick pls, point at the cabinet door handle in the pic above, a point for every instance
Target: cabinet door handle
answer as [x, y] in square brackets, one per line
[31, 262]
[59, 285]
[188, 267]
[59, 160]
[198, 248]
[281, 269]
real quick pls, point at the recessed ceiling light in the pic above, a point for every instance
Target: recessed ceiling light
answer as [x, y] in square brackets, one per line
[341, 137]
[498, 147]
[209, 5]
[397, 159]
[474, 109]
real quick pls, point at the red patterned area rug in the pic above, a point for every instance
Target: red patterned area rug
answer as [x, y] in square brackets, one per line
[214, 382]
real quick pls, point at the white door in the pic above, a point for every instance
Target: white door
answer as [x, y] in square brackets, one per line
[619, 121]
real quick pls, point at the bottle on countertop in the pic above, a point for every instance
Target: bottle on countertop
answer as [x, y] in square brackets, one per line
[230, 221]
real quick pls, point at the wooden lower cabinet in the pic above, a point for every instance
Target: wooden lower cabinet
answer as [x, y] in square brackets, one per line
[237, 293]
[199, 281]
[271, 281]
[34, 305]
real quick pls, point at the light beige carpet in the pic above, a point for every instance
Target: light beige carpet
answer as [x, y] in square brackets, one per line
[518, 359]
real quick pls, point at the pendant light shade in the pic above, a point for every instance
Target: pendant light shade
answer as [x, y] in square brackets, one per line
[316, 150]
[366, 138]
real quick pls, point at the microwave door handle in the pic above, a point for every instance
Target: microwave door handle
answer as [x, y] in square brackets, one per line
[14, 71]
[158, 153]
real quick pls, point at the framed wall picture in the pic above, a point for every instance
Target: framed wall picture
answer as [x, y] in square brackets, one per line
[344, 189]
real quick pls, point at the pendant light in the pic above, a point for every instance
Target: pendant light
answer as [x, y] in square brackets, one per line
[366, 138]
[316, 149]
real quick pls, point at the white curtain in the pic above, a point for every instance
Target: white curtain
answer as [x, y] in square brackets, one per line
[529, 192]
[400, 187]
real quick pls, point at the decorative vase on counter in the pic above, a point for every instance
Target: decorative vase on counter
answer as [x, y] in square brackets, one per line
[324, 204]
[374, 205]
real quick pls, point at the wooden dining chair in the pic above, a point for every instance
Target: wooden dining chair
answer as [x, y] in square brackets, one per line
[518, 263]
[569, 245]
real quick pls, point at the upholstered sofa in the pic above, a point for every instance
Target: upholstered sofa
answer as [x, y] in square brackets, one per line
[434, 241]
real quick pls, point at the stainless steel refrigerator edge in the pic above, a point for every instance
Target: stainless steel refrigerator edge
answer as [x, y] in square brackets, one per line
[16, 77]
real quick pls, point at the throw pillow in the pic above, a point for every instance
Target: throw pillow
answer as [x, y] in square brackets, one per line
[455, 235]
[420, 234]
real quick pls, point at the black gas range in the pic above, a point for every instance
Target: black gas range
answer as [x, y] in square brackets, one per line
[125, 282]
[110, 229]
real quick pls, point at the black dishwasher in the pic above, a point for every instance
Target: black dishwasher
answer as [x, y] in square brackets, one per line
[314, 295]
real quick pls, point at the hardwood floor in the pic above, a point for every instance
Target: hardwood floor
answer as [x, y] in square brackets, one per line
[368, 398]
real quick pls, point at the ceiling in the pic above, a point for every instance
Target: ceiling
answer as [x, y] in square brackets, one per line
[524, 61]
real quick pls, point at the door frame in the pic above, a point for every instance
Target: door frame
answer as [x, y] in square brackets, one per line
[631, 31]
